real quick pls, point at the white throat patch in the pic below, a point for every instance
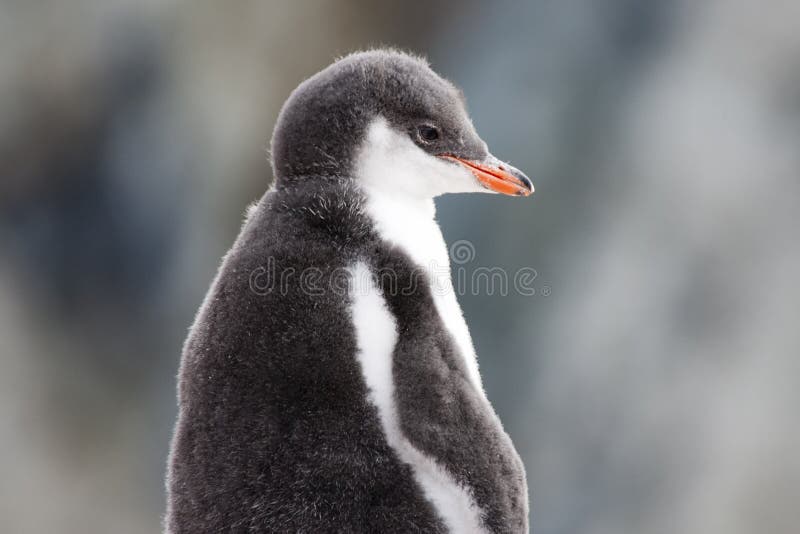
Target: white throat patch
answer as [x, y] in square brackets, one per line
[390, 161]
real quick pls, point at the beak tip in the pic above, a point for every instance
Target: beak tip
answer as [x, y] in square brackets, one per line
[526, 188]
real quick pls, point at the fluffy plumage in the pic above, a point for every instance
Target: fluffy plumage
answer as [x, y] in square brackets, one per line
[323, 122]
[276, 430]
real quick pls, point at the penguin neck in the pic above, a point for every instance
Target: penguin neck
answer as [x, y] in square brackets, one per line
[409, 222]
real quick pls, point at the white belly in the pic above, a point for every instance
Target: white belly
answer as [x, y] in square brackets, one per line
[376, 337]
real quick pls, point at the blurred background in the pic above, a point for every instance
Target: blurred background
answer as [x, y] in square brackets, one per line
[654, 388]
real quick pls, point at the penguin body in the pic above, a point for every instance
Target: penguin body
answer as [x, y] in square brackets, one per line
[329, 383]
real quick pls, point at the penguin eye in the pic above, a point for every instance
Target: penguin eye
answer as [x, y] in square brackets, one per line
[427, 133]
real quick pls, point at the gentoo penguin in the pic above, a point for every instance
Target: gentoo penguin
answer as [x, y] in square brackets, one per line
[329, 383]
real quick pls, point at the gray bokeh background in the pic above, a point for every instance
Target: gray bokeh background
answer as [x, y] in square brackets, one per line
[654, 389]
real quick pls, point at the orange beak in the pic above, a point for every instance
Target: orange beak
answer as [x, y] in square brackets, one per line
[498, 177]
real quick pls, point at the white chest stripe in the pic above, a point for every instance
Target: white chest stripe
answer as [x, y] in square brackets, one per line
[376, 336]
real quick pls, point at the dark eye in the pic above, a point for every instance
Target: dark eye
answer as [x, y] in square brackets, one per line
[428, 133]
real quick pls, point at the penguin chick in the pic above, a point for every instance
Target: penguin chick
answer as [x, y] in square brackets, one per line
[329, 382]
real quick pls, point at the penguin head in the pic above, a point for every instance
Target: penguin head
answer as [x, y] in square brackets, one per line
[384, 120]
